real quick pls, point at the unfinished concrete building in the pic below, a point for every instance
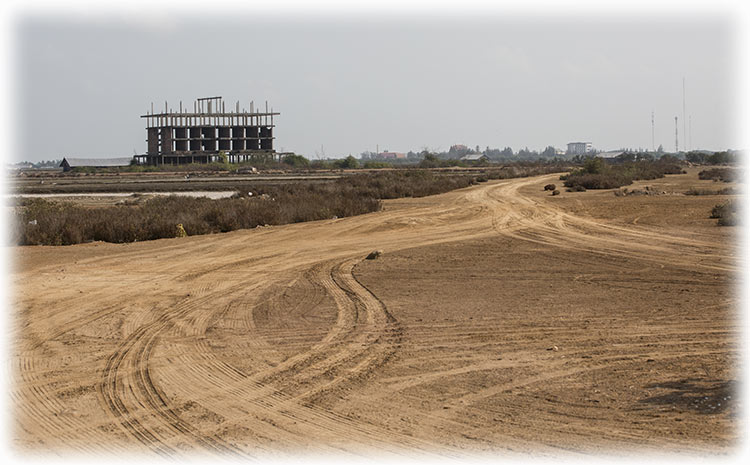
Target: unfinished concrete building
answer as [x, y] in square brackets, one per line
[208, 133]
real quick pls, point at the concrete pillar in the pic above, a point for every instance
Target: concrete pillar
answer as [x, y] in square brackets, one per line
[153, 141]
[166, 140]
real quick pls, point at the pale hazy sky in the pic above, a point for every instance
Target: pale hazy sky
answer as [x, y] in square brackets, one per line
[399, 82]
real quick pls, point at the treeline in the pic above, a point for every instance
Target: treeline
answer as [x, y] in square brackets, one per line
[456, 152]
[287, 162]
[716, 158]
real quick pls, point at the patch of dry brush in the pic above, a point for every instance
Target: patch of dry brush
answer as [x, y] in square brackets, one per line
[42, 222]
[598, 174]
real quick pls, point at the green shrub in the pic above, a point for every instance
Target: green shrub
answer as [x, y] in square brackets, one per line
[296, 161]
[347, 163]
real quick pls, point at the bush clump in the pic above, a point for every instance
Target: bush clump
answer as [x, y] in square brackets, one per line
[726, 213]
[719, 174]
[296, 161]
[597, 174]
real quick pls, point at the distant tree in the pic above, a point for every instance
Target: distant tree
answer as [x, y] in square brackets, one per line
[549, 152]
[526, 154]
[347, 163]
[593, 165]
[667, 158]
[296, 161]
[721, 158]
[429, 160]
[695, 157]
[660, 149]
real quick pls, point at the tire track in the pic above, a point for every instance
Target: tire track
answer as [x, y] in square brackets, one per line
[521, 217]
[364, 337]
[127, 373]
[279, 383]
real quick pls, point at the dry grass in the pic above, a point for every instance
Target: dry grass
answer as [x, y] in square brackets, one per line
[724, 191]
[42, 222]
[597, 174]
[720, 174]
[726, 213]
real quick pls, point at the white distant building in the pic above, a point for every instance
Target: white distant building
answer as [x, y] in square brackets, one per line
[610, 154]
[579, 148]
[68, 163]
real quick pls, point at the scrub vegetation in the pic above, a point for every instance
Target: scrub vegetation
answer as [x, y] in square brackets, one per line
[43, 222]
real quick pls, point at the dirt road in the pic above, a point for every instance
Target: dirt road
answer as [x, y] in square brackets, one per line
[283, 340]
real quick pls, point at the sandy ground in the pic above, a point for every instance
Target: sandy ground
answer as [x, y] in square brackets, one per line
[498, 320]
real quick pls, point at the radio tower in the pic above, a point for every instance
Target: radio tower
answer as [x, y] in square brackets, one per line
[676, 141]
[653, 147]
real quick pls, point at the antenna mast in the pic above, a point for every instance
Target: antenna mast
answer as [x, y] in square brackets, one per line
[676, 141]
[653, 147]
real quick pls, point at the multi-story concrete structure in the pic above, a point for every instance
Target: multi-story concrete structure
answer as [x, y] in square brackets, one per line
[579, 148]
[207, 133]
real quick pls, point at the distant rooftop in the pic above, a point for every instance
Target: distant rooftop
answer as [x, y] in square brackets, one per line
[473, 157]
[611, 154]
[97, 162]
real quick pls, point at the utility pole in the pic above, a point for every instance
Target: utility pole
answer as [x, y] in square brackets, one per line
[653, 147]
[676, 140]
[690, 132]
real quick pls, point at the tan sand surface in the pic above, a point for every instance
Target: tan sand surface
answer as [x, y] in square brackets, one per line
[498, 319]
